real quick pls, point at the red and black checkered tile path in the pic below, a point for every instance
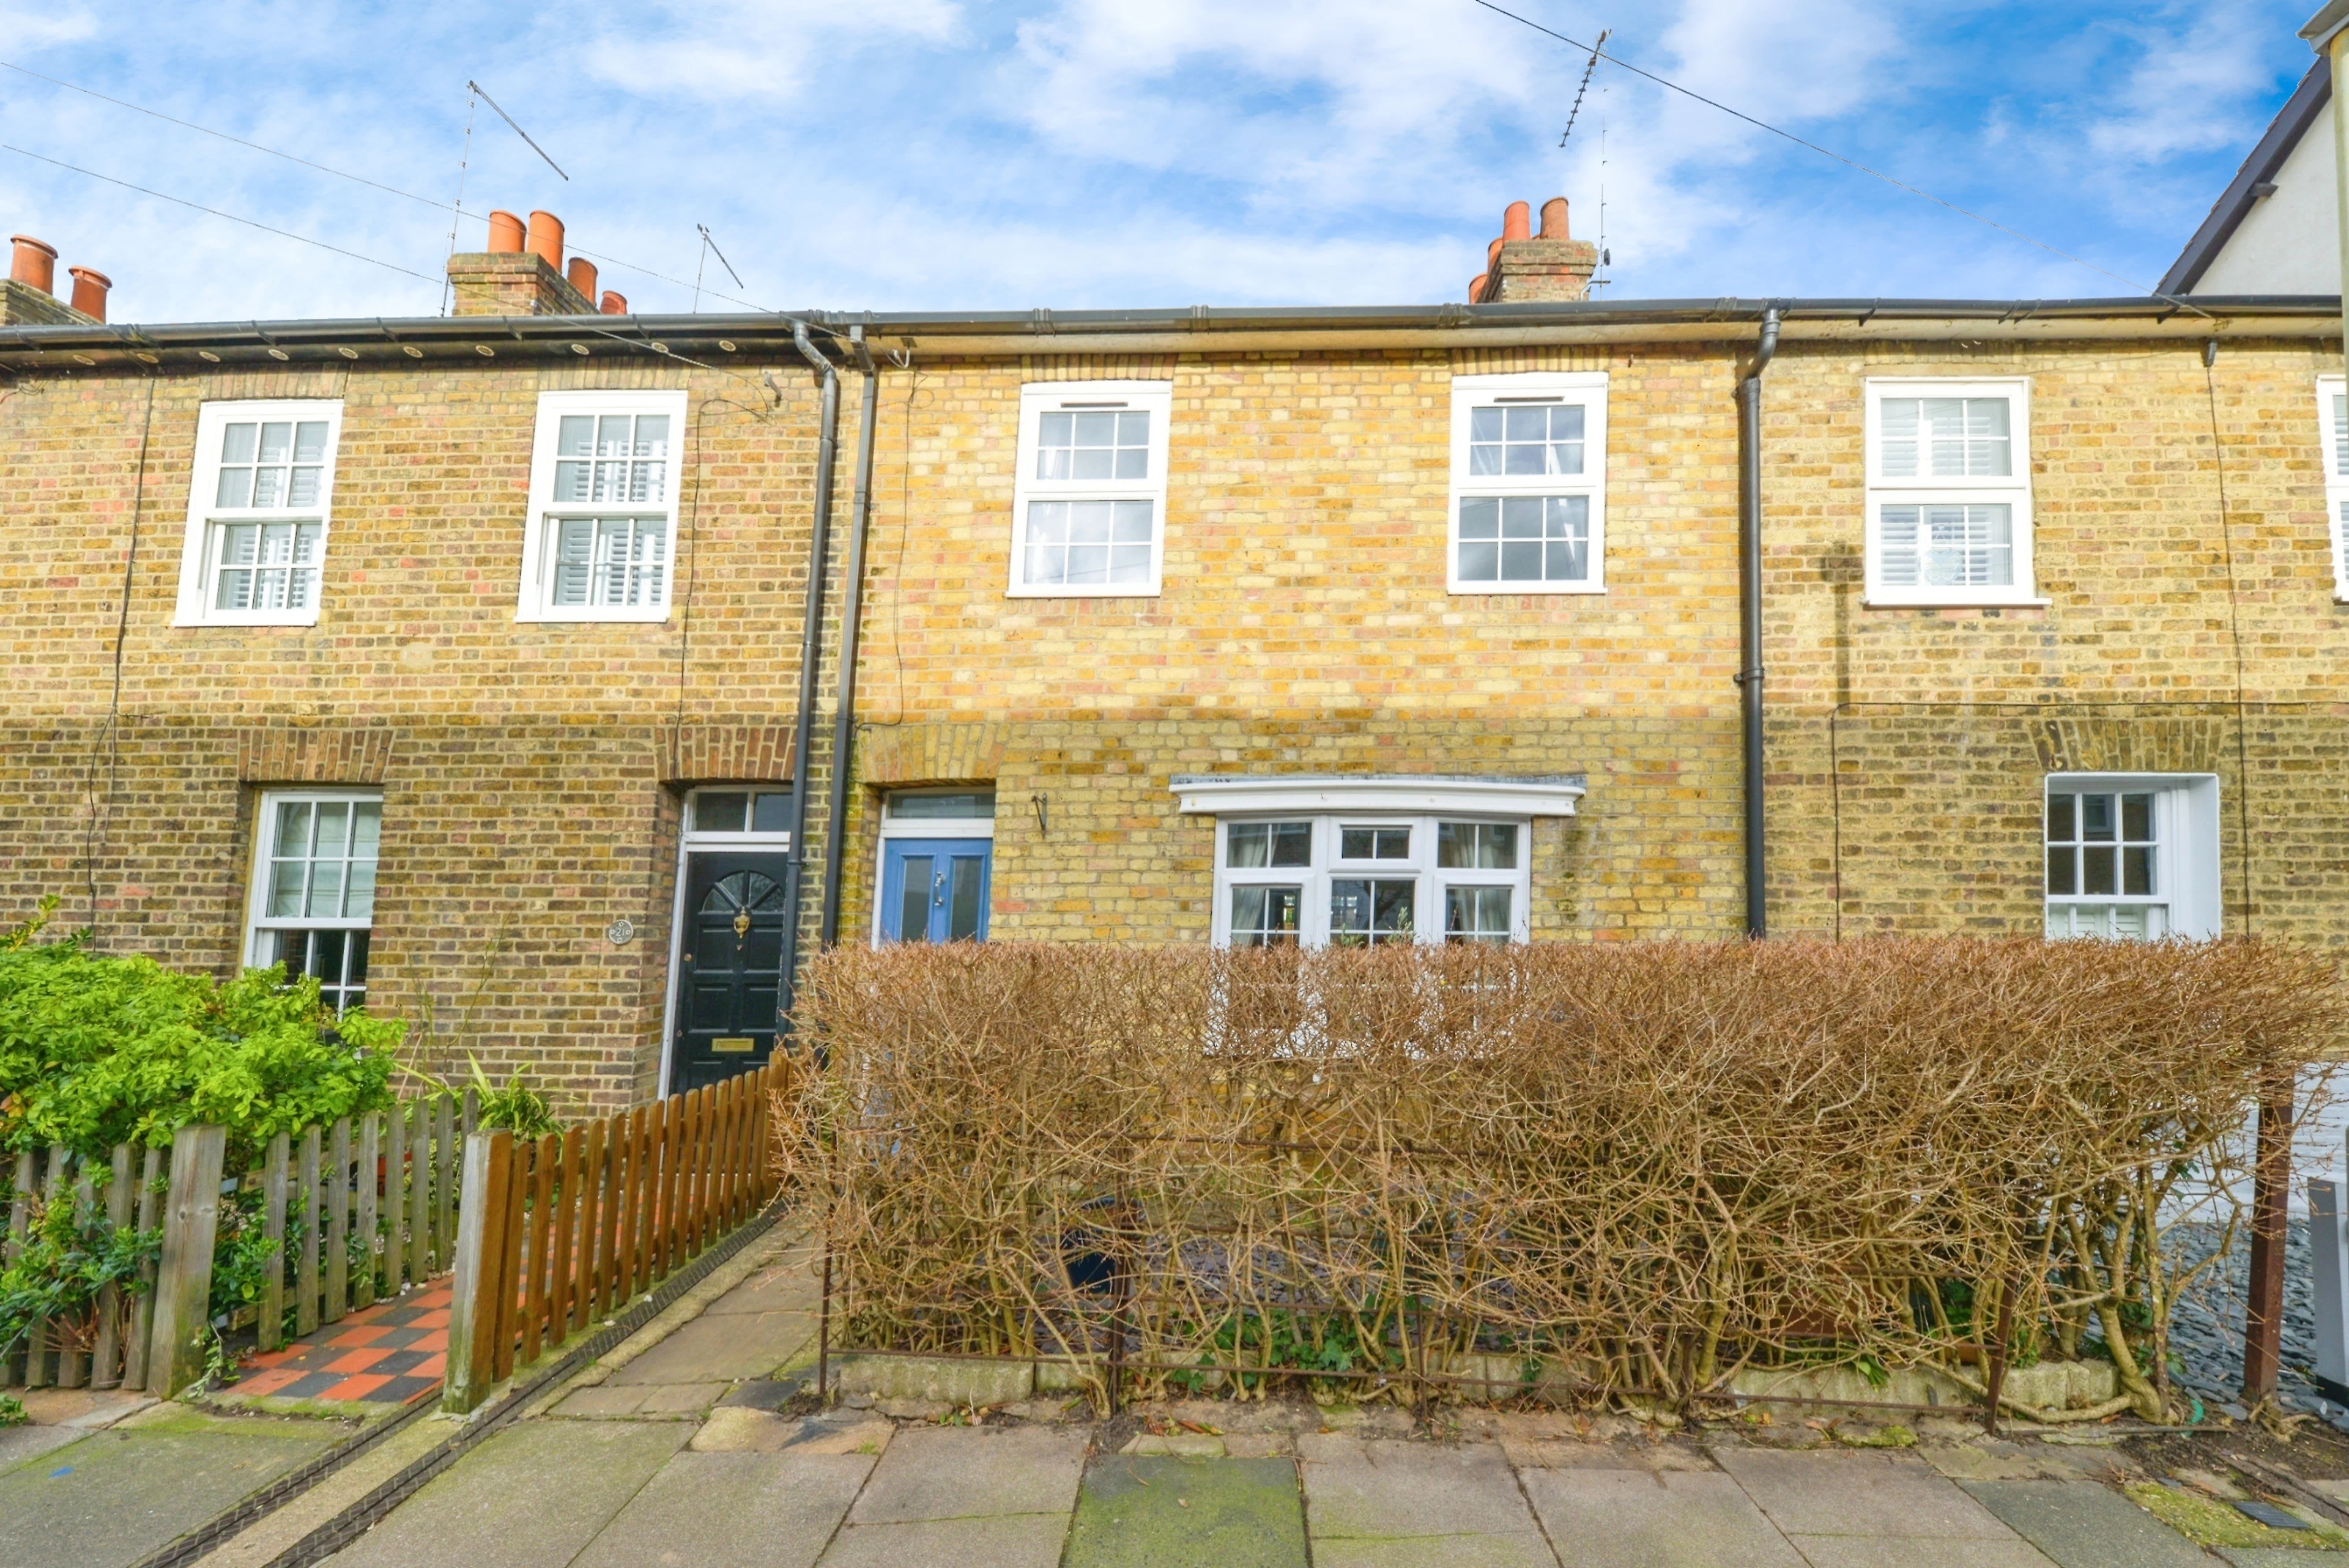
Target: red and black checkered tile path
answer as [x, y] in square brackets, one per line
[390, 1354]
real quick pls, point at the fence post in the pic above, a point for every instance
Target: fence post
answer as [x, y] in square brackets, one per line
[106, 1367]
[2263, 1300]
[183, 1285]
[306, 1286]
[272, 1328]
[136, 1361]
[475, 1311]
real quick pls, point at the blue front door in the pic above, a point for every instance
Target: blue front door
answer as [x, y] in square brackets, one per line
[934, 890]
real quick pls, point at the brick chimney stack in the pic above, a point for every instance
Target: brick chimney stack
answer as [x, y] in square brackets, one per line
[521, 271]
[1522, 266]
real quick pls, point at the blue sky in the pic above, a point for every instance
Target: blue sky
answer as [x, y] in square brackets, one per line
[953, 154]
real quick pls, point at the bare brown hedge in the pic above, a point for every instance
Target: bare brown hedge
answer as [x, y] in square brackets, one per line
[1638, 1167]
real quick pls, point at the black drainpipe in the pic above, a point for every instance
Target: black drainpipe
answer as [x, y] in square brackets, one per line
[1749, 607]
[811, 647]
[844, 722]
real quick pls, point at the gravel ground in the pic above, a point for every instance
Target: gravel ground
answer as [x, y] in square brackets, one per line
[2207, 1328]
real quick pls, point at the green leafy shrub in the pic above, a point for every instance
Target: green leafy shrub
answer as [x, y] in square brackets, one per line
[97, 1051]
[69, 1255]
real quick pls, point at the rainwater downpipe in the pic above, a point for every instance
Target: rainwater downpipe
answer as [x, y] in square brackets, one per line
[811, 647]
[851, 613]
[1749, 608]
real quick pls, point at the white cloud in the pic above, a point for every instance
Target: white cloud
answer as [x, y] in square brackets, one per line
[764, 50]
[2191, 90]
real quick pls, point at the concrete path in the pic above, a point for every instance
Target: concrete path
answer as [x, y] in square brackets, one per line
[109, 1498]
[674, 1452]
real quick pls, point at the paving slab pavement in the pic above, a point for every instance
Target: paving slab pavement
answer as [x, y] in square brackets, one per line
[2083, 1524]
[1867, 1494]
[1655, 1518]
[785, 1284]
[1396, 1505]
[1144, 1511]
[118, 1494]
[965, 1497]
[532, 1496]
[721, 1348]
[732, 1511]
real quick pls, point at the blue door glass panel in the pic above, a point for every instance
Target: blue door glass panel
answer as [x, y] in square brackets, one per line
[934, 890]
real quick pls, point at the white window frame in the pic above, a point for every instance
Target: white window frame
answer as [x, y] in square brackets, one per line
[1333, 804]
[1155, 398]
[2012, 489]
[2333, 442]
[258, 920]
[199, 563]
[535, 599]
[1469, 393]
[2186, 873]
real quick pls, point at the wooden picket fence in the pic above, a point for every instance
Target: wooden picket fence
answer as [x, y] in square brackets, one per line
[384, 1187]
[571, 1226]
[356, 1209]
[52, 1356]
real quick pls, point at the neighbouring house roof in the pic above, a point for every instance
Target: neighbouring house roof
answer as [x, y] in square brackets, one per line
[2255, 181]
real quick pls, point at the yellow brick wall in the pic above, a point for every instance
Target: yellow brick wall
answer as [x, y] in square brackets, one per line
[532, 772]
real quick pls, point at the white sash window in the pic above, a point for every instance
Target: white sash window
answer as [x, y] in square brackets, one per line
[2132, 857]
[1948, 492]
[1089, 507]
[601, 543]
[1528, 484]
[258, 508]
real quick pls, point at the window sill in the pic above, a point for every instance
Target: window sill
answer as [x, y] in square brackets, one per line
[1508, 590]
[1137, 590]
[593, 618]
[1976, 603]
[242, 623]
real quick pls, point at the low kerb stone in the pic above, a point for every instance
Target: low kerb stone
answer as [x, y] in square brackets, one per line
[958, 1383]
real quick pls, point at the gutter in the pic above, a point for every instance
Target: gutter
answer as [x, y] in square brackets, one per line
[201, 347]
[1749, 618]
[810, 650]
[851, 615]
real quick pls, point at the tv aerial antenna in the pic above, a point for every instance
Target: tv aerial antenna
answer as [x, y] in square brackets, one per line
[1590, 66]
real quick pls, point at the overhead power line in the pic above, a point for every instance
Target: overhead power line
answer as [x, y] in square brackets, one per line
[457, 207]
[1597, 52]
[214, 211]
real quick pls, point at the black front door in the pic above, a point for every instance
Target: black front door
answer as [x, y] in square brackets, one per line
[730, 978]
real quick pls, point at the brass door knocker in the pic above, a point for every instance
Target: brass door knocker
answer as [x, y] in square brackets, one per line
[741, 923]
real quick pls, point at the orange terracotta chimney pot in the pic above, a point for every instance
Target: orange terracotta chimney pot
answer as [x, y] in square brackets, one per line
[1517, 222]
[582, 273]
[505, 232]
[614, 304]
[1554, 219]
[546, 238]
[89, 292]
[1476, 286]
[1492, 256]
[35, 263]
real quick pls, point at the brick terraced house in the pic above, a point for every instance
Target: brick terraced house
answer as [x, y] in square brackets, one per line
[472, 664]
